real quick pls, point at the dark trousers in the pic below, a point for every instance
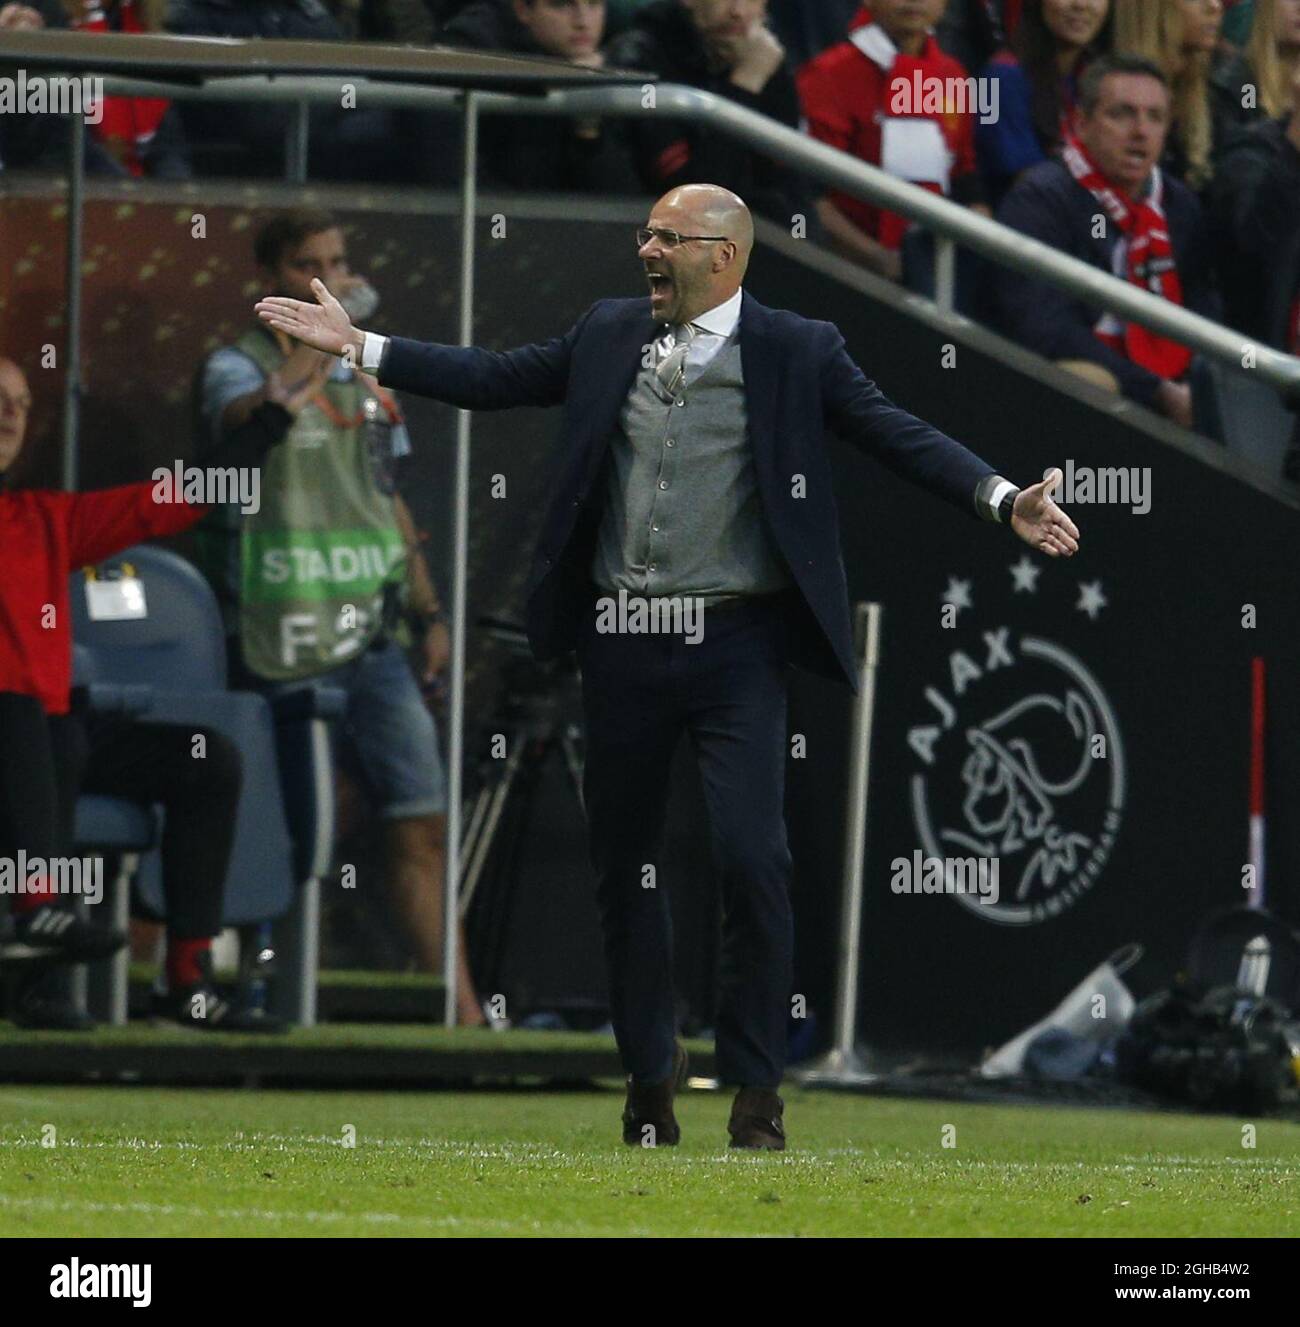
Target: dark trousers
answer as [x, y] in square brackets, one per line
[41, 759]
[728, 694]
[199, 794]
[46, 759]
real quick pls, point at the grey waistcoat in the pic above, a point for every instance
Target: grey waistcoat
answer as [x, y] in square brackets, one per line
[683, 515]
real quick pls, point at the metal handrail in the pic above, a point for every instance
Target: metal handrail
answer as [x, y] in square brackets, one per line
[953, 224]
[950, 221]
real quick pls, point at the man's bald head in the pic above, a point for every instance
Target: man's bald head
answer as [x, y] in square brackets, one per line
[718, 209]
[15, 402]
[697, 275]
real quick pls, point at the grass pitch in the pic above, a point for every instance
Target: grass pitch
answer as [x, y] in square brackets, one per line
[178, 1162]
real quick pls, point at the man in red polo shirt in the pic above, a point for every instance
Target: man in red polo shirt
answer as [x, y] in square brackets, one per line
[862, 97]
[45, 535]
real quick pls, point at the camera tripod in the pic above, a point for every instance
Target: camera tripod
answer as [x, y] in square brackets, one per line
[535, 712]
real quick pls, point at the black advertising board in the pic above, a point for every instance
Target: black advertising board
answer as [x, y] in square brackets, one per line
[1084, 722]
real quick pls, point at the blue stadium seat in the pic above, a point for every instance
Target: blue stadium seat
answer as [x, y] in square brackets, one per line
[170, 666]
[114, 824]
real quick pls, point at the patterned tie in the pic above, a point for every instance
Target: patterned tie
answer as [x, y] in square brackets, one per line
[671, 370]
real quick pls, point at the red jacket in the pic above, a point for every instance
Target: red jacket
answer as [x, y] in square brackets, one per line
[845, 94]
[44, 536]
[127, 123]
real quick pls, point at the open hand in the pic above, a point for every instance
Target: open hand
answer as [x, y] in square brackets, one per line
[754, 57]
[323, 325]
[293, 385]
[1041, 523]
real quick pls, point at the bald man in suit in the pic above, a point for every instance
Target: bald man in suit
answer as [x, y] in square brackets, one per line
[687, 417]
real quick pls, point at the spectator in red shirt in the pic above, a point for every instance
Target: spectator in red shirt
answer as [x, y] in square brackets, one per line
[43, 742]
[143, 135]
[135, 136]
[859, 96]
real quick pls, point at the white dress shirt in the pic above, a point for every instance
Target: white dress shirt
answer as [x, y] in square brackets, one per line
[714, 329]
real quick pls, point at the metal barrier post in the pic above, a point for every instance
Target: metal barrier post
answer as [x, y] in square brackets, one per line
[72, 339]
[456, 735]
[945, 274]
[842, 1065]
[296, 143]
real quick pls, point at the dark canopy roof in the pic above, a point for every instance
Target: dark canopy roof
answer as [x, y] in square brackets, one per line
[201, 59]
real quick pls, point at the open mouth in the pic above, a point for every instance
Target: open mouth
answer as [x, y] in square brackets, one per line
[661, 283]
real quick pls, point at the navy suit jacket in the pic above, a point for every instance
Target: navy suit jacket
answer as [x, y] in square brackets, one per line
[799, 381]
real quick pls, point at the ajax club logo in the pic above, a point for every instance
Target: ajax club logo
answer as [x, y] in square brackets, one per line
[1017, 756]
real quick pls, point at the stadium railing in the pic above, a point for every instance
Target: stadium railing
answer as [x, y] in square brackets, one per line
[215, 70]
[473, 84]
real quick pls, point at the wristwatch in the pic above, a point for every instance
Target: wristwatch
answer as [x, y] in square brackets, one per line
[1007, 506]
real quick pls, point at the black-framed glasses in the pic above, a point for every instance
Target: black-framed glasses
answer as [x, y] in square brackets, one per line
[670, 239]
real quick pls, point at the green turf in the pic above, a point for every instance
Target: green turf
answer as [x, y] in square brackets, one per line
[325, 1036]
[136, 1161]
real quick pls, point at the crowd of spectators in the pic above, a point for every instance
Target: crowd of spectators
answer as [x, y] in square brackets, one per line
[1156, 140]
[1210, 221]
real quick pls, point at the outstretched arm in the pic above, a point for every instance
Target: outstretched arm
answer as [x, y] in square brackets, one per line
[105, 521]
[862, 414]
[468, 377]
[1041, 523]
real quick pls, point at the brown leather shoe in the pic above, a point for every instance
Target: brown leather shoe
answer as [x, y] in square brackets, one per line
[648, 1119]
[756, 1120]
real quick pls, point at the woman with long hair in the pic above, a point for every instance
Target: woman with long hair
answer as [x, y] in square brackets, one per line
[1255, 82]
[1180, 36]
[1036, 78]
